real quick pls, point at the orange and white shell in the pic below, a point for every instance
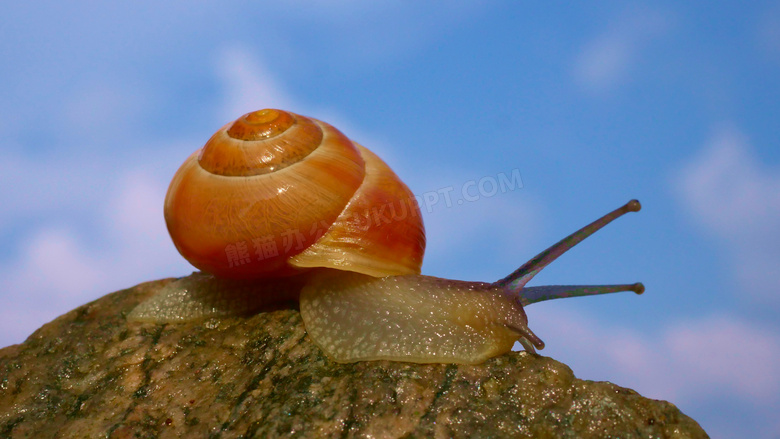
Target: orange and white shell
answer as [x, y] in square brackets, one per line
[275, 193]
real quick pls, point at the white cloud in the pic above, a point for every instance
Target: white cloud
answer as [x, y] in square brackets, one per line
[685, 362]
[248, 84]
[727, 354]
[607, 59]
[135, 210]
[53, 267]
[737, 200]
[58, 269]
[114, 234]
[134, 225]
[51, 275]
[604, 61]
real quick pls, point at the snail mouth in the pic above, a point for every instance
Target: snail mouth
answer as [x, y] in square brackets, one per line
[528, 339]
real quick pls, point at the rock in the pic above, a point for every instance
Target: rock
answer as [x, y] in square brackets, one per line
[90, 374]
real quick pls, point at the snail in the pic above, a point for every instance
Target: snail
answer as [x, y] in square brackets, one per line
[278, 207]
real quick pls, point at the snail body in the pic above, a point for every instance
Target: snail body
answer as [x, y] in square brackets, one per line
[240, 209]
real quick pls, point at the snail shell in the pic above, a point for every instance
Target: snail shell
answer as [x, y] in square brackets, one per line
[239, 210]
[275, 193]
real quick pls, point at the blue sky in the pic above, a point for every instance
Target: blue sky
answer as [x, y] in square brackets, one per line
[672, 103]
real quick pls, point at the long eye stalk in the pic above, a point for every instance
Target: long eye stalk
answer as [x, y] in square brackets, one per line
[531, 295]
[516, 281]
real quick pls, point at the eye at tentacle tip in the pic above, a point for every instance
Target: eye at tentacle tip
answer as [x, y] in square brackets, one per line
[633, 206]
[638, 288]
[520, 277]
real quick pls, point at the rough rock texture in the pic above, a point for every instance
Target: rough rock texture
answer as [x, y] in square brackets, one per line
[90, 374]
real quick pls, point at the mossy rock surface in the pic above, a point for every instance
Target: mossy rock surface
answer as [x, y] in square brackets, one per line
[90, 374]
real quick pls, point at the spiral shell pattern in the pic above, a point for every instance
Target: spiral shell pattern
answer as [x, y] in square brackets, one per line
[275, 193]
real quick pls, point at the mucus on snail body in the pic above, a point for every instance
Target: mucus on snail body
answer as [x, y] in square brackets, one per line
[278, 207]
